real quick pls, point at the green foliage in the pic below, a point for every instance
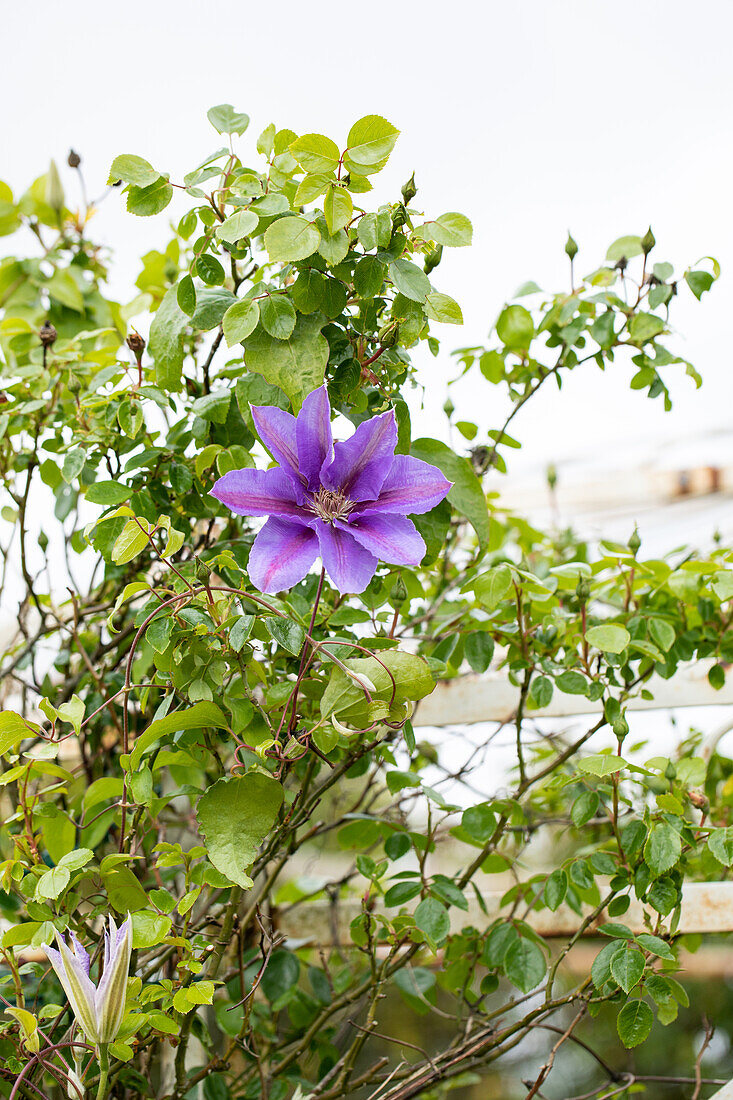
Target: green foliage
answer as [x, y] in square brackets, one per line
[240, 773]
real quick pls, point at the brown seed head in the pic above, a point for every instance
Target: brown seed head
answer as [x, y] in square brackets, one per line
[47, 334]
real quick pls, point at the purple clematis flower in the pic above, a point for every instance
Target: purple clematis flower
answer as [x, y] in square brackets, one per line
[99, 1010]
[347, 502]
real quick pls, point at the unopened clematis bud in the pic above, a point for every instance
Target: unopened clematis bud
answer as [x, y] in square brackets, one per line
[99, 1010]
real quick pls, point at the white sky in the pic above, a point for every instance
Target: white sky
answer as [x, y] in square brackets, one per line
[530, 117]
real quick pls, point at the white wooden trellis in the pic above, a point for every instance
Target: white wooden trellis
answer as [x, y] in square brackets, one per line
[707, 907]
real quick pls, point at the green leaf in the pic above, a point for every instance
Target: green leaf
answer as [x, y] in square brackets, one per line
[492, 587]
[53, 882]
[149, 928]
[108, 493]
[524, 965]
[73, 464]
[369, 144]
[645, 326]
[610, 637]
[572, 683]
[72, 712]
[515, 328]
[213, 406]
[410, 280]
[131, 541]
[479, 649]
[720, 843]
[240, 320]
[656, 945]
[625, 248]
[281, 974]
[556, 888]
[291, 238]
[196, 717]
[337, 208]
[662, 849]
[316, 153]
[166, 341]
[235, 815]
[542, 691]
[290, 635]
[277, 315]
[584, 808]
[343, 696]
[627, 967]
[466, 494]
[601, 764]
[63, 288]
[663, 633]
[699, 282]
[634, 1023]
[237, 226]
[440, 307]
[368, 277]
[452, 230]
[209, 270]
[212, 303]
[146, 201]
[296, 365]
[132, 169]
[431, 917]
[226, 120]
[13, 730]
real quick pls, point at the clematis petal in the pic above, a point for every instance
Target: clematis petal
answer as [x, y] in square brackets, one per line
[258, 493]
[281, 555]
[276, 429]
[361, 463]
[392, 538]
[112, 990]
[80, 990]
[410, 488]
[313, 433]
[348, 564]
[80, 952]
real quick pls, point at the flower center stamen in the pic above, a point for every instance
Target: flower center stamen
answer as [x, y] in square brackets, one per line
[330, 505]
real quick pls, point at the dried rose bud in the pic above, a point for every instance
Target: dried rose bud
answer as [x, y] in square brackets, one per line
[47, 334]
[136, 343]
[73, 160]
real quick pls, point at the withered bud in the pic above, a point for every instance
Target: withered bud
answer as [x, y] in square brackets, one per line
[73, 160]
[47, 334]
[136, 344]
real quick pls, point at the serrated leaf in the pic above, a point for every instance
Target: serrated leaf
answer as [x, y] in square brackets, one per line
[610, 637]
[663, 849]
[291, 238]
[238, 225]
[240, 320]
[634, 1023]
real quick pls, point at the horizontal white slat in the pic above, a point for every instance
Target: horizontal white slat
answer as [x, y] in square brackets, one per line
[492, 698]
[706, 907]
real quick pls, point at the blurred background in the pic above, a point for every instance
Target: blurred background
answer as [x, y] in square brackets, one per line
[533, 119]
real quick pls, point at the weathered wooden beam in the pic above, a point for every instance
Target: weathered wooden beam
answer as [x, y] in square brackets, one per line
[492, 698]
[707, 907]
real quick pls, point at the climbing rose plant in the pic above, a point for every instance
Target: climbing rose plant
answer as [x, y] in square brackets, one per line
[226, 623]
